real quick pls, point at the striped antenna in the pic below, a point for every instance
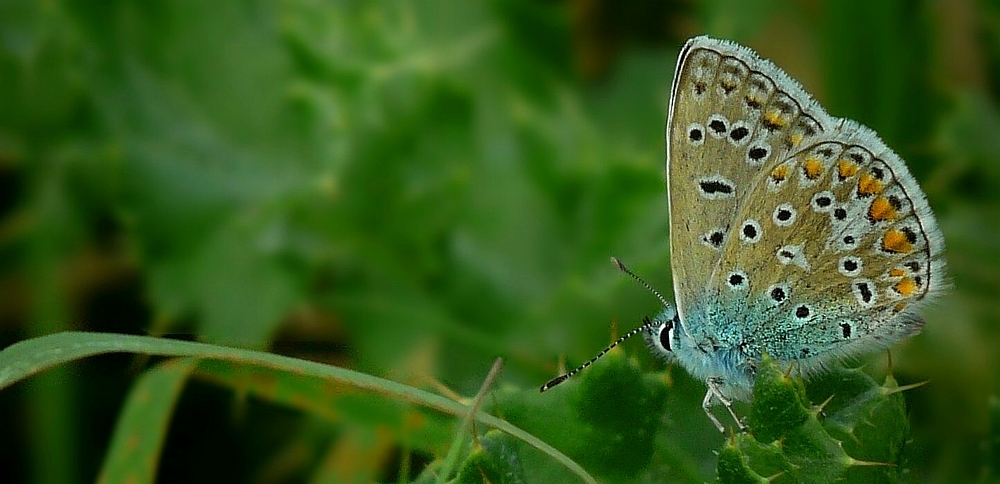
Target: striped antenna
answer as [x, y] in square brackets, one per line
[646, 325]
[628, 271]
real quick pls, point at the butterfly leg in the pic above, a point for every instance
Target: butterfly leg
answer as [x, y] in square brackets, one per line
[715, 392]
[707, 405]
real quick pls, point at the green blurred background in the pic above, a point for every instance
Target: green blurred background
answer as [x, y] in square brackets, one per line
[413, 188]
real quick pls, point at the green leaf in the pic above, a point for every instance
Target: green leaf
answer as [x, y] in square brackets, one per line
[242, 291]
[134, 454]
[857, 436]
[733, 467]
[621, 411]
[607, 419]
[495, 460]
[779, 404]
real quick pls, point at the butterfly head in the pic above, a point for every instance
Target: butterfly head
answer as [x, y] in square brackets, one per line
[662, 333]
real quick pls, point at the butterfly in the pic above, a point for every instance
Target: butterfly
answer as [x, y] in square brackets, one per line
[793, 233]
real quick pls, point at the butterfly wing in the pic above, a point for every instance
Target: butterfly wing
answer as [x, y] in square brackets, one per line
[804, 235]
[730, 114]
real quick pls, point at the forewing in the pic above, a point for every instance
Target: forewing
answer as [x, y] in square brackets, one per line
[731, 114]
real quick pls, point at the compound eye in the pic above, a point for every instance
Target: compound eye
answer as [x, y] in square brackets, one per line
[666, 335]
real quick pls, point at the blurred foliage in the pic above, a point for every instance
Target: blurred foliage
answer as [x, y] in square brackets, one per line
[413, 188]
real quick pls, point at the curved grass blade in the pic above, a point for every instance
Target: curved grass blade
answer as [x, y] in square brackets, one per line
[26, 358]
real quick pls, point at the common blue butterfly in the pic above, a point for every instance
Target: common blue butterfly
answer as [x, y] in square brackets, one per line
[792, 232]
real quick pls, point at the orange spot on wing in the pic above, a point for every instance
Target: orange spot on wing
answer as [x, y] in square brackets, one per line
[895, 241]
[881, 209]
[780, 173]
[774, 119]
[899, 307]
[905, 287]
[847, 169]
[812, 168]
[897, 272]
[868, 185]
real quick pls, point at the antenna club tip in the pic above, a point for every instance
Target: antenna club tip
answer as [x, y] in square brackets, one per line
[615, 261]
[553, 382]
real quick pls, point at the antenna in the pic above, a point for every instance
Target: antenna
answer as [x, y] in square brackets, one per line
[638, 279]
[646, 325]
